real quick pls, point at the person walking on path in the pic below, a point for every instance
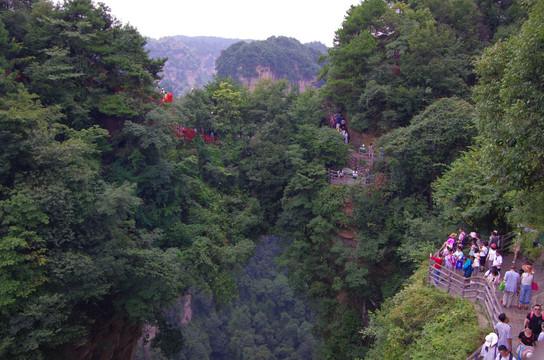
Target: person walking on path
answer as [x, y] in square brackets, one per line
[526, 286]
[504, 332]
[497, 260]
[504, 353]
[511, 286]
[489, 349]
[526, 337]
[534, 320]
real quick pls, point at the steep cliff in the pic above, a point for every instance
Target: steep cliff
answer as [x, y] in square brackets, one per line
[276, 58]
[115, 339]
[191, 60]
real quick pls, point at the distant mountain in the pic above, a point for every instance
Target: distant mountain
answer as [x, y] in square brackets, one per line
[191, 60]
[275, 58]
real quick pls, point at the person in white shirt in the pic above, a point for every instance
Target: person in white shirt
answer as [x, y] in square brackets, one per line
[497, 261]
[526, 286]
[491, 254]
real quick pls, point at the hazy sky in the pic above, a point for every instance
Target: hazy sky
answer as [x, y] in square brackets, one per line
[304, 20]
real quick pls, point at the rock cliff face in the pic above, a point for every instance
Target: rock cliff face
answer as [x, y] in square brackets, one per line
[114, 340]
[191, 60]
[265, 72]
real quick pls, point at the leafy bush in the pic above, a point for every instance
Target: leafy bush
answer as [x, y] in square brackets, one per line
[446, 327]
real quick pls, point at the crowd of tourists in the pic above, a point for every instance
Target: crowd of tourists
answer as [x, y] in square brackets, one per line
[529, 345]
[469, 255]
[337, 121]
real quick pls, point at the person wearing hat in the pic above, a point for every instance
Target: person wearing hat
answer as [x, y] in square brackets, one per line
[526, 286]
[489, 348]
[526, 353]
[504, 332]
[450, 242]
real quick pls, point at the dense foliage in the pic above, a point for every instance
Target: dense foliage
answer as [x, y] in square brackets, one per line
[506, 161]
[266, 321]
[392, 59]
[108, 216]
[100, 226]
[423, 323]
[285, 57]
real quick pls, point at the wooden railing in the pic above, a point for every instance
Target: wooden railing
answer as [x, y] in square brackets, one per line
[362, 177]
[477, 290]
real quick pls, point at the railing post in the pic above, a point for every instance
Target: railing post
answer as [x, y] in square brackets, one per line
[430, 272]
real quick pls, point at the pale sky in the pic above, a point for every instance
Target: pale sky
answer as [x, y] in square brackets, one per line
[304, 20]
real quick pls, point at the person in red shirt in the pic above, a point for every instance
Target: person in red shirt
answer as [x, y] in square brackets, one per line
[437, 266]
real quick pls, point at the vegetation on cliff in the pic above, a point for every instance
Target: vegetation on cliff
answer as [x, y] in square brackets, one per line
[423, 323]
[107, 214]
[286, 58]
[392, 59]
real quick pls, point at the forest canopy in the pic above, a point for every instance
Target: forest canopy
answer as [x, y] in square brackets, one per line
[115, 204]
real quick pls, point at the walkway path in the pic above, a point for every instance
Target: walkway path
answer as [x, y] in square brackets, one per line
[488, 297]
[357, 161]
[516, 316]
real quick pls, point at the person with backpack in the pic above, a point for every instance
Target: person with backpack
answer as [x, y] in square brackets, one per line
[534, 320]
[459, 259]
[489, 348]
[504, 354]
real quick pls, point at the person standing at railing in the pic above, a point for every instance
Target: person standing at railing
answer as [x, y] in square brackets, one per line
[493, 276]
[484, 250]
[439, 260]
[467, 269]
[491, 255]
[511, 286]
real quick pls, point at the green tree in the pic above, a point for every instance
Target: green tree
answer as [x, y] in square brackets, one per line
[421, 152]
